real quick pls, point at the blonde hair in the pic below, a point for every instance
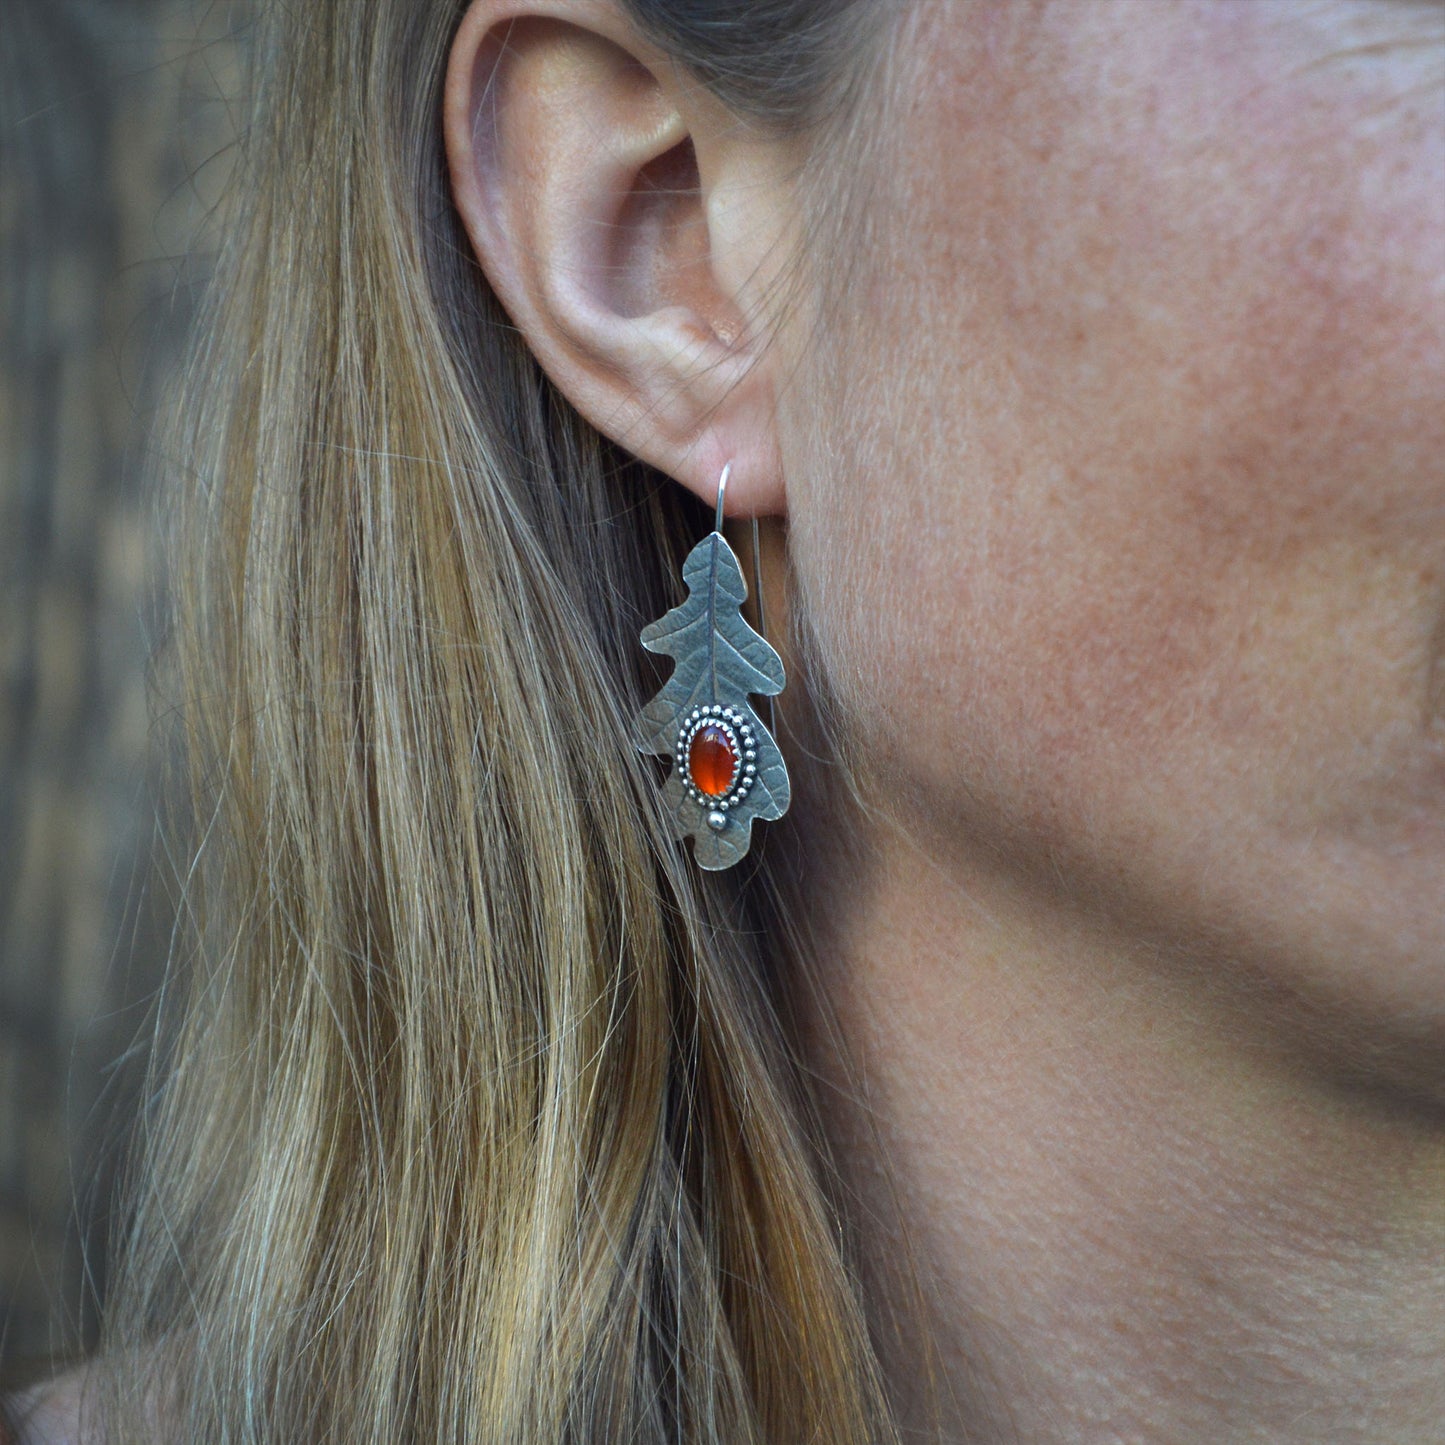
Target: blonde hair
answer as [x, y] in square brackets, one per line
[475, 1114]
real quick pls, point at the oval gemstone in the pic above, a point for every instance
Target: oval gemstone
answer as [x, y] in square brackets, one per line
[712, 760]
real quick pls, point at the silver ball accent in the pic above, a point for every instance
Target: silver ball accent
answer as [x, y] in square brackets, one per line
[717, 821]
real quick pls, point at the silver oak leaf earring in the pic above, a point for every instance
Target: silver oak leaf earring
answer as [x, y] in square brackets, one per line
[726, 769]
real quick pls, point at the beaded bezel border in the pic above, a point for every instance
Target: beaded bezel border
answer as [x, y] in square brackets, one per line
[740, 733]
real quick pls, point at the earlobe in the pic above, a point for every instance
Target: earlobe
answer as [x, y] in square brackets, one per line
[581, 165]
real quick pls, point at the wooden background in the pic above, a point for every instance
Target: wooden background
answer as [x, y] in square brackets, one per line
[116, 131]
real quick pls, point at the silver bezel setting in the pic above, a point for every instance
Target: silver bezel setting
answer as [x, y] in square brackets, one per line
[744, 744]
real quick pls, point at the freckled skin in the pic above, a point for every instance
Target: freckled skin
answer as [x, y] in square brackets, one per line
[1141, 416]
[1117, 507]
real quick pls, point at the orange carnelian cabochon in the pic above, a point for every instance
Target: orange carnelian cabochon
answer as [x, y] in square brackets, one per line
[712, 760]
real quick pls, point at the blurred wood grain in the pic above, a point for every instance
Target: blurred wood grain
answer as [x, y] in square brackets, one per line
[116, 129]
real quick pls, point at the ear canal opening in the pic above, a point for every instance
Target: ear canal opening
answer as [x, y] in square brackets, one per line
[674, 172]
[660, 254]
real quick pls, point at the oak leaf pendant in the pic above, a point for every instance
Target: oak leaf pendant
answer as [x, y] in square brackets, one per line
[726, 769]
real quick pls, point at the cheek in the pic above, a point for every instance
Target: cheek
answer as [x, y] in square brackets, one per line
[1138, 435]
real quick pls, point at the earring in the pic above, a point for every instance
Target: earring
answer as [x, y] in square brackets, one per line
[726, 768]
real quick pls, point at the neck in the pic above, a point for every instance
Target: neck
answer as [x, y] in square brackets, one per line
[1131, 1212]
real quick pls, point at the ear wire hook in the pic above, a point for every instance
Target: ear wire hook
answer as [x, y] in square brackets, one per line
[722, 491]
[722, 488]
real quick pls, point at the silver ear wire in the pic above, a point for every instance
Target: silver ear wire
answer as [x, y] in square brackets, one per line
[722, 491]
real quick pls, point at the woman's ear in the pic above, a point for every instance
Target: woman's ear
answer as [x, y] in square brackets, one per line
[629, 225]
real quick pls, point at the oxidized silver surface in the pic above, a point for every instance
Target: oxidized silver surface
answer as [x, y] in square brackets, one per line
[721, 662]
